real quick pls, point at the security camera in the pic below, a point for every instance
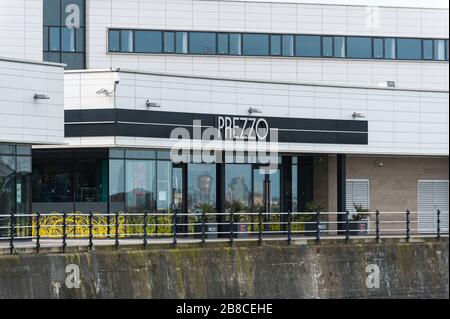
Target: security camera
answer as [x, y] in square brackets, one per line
[116, 79]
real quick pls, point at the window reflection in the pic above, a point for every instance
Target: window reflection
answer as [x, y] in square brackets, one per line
[409, 49]
[164, 185]
[307, 45]
[140, 185]
[201, 186]
[202, 43]
[68, 39]
[238, 187]
[359, 47]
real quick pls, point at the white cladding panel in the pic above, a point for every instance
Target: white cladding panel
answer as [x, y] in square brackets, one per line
[270, 17]
[22, 118]
[400, 121]
[21, 29]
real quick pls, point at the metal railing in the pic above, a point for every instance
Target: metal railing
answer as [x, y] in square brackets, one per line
[37, 230]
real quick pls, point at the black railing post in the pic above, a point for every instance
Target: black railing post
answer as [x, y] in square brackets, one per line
[347, 226]
[145, 229]
[91, 243]
[203, 227]
[318, 227]
[438, 224]
[116, 242]
[289, 222]
[38, 232]
[407, 225]
[260, 216]
[174, 222]
[377, 225]
[11, 232]
[231, 227]
[64, 233]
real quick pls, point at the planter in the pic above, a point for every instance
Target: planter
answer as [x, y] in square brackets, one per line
[359, 228]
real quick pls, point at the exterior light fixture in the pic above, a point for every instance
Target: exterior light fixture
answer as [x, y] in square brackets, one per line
[356, 115]
[379, 163]
[151, 104]
[388, 84]
[41, 97]
[252, 110]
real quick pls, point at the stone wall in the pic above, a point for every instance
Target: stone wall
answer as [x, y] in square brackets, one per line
[332, 270]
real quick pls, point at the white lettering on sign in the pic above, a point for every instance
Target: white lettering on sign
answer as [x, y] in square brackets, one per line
[242, 128]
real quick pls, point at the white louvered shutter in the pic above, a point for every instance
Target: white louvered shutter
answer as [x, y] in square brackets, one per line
[433, 195]
[357, 192]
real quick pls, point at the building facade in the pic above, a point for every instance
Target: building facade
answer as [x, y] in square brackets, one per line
[348, 103]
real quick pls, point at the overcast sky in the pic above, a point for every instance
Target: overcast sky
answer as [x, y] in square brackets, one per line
[394, 3]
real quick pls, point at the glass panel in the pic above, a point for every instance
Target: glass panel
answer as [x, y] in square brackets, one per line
[65, 14]
[117, 180]
[235, 43]
[7, 180]
[140, 154]
[288, 45]
[116, 153]
[68, 39]
[52, 180]
[258, 191]
[181, 42]
[74, 61]
[409, 49]
[23, 150]
[389, 48]
[140, 185]
[275, 45]
[7, 149]
[201, 186]
[80, 40]
[91, 180]
[177, 188]
[202, 42]
[114, 41]
[446, 50]
[148, 41]
[294, 187]
[339, 47]
[275, 199]
[238, 187]
[126, 41]
[222, 43]
[7, 191]
[327, 46]
[439, 50]
[378, 49]
[427, 49]
[45, 39]
[359, 47]
[54, 39]
[169, 42]
[23, 184]
[52, 57]
[164, 185]
[307, 45]
[255, 44]
[52, 12]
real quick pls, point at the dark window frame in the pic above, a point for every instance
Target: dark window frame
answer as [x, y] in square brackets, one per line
[282, 54]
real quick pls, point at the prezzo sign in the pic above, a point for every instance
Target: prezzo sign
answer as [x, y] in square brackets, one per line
[242, 128]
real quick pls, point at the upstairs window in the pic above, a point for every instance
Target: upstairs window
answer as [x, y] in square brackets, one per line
[307, 45]
[148, 41]
[202, 43]
[409, 49]
[359, 47]
[255, 44]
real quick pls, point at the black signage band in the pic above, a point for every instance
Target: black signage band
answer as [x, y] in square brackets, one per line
[157, 124]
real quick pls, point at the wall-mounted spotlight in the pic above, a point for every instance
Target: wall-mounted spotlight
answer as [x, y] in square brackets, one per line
[379, 163]
[41, 97]
[356, 115]
[148, 103]
[387, 84]
[252, 110]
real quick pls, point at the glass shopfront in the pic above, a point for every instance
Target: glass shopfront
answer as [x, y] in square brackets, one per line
[136, 181]
[15, 184]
